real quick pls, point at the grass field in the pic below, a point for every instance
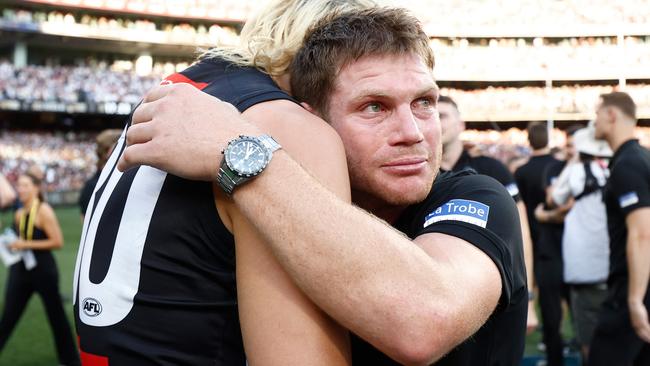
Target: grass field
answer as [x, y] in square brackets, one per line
[31, 343]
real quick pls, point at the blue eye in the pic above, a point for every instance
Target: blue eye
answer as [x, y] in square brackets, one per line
[424, 103]
[373, 107]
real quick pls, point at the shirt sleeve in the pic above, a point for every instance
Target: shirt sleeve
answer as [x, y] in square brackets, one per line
[501, 173]
[479, 210]
[630, 184]
[561, 189]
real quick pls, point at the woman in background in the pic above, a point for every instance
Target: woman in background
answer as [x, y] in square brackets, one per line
[39, 232]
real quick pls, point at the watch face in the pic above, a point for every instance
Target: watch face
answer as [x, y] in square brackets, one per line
[246, 156]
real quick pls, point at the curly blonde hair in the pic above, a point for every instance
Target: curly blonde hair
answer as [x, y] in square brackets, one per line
[270, 40]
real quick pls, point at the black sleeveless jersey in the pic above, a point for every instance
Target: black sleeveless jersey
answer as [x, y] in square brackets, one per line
[155, 274]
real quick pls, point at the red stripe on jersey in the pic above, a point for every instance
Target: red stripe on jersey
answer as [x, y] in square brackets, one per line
[180, 78]
[88, 359]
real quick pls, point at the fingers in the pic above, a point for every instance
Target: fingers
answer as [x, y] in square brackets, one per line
[643, 331]
[157, 92]
[639, 317]
[145, 112]
[134, 155]
[140, 133]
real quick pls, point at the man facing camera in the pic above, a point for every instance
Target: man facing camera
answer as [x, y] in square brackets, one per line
[426, 260]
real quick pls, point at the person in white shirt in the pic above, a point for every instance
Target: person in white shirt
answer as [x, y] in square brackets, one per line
[585, 242]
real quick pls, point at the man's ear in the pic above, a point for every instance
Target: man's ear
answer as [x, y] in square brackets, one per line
[612, 114]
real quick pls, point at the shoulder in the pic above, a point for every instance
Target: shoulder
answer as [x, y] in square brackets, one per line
[45, 210]
[489, 162]
[466, 181]
[309, 140]
[454, 193]
[630, 165]
[289, 119]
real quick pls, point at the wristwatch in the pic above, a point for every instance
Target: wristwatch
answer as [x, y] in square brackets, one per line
[244, 158]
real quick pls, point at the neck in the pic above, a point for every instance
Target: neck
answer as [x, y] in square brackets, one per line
[383, 210]
[616, 140]
[451, 152]
[29, 202]
[283, 82]
[543, 151]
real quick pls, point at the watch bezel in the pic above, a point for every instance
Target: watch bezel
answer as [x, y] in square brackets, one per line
[259, 169]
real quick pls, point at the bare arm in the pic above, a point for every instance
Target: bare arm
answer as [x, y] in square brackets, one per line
[532, 322]
[7, 193]
[638, 260]
[50, 224]
[404, 300]
[357, 268]
[280, 325]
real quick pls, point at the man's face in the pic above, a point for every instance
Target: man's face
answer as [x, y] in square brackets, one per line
[450, 122]
[569, 148]
[384, 109]
[602, 122]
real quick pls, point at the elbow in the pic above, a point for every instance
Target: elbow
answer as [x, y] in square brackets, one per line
[422, 342]
[57, 244]
[417, 352]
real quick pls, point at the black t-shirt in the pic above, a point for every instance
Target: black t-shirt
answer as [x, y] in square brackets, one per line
[155, 274]
[627, 189]
[532, 179]
[491, 167]
[478, 209]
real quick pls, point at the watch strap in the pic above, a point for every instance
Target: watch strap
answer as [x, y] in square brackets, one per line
[269, 142]
[228, 180]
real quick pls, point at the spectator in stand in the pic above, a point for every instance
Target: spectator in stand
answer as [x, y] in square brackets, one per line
[105, 142]
[585, 243]
[532, 180]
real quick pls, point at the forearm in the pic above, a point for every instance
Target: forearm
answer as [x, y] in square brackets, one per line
[638, 259]
[366, 275]
[43, 244]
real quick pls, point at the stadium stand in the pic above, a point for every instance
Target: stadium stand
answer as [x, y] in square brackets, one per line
[77, 61]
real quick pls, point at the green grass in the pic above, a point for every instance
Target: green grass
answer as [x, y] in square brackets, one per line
[31, 343]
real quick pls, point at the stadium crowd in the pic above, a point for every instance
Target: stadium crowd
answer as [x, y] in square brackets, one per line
[521, 103]
[100, 87]
[120, 28]
[540, 58]
[91, 88]
[67, 160]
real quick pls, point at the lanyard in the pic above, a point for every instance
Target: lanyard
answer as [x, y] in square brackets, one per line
[29, 234]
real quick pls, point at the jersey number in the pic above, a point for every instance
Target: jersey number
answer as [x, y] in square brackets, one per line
[110, 301]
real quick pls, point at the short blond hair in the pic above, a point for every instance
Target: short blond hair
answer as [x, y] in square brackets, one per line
[270, 40]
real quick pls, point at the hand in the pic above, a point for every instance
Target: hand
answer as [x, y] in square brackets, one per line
[181, 130]
[19, 245]
[531, 322]
[639, 319]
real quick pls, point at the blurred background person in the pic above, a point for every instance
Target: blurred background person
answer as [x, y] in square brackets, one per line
[105, 142]
[585, 242]
[39, 232]
[7, 193]
[456, 157]
[622, 336]
[532, 179]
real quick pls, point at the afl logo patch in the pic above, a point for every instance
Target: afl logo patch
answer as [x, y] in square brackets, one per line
[92, 307]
